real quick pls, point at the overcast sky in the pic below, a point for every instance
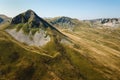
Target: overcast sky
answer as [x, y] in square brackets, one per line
[81, 9]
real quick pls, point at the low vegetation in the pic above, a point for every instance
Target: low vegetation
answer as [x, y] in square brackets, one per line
[18, 62]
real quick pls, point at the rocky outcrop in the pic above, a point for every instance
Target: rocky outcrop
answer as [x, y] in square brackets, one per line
[39, 39]
[110, 20]
[29, 17]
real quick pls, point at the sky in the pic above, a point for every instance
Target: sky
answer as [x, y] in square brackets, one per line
[81, 9]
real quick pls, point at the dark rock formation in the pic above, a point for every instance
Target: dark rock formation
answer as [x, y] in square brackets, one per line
[31, 18]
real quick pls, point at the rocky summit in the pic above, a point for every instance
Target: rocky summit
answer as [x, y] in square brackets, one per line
[31, 18]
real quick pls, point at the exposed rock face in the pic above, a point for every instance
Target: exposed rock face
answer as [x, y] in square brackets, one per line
[112, 22]
[39, 39]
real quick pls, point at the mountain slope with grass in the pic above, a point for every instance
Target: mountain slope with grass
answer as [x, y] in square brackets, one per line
[19, 61]
[101, 47]
[32, 49]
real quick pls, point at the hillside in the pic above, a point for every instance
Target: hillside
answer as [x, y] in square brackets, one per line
[100, 46]
[86, 60]
[33, 49]
[18, 62]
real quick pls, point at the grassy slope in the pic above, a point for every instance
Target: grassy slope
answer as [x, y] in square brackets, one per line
[20, 62]
[100, 47]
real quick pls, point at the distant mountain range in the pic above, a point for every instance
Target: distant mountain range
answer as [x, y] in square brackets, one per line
[73, 24]
[70, 23]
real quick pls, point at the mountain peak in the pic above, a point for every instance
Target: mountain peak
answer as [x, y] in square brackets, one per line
[30, 13]
[30, 10]
[28, 17]
[31, 19]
